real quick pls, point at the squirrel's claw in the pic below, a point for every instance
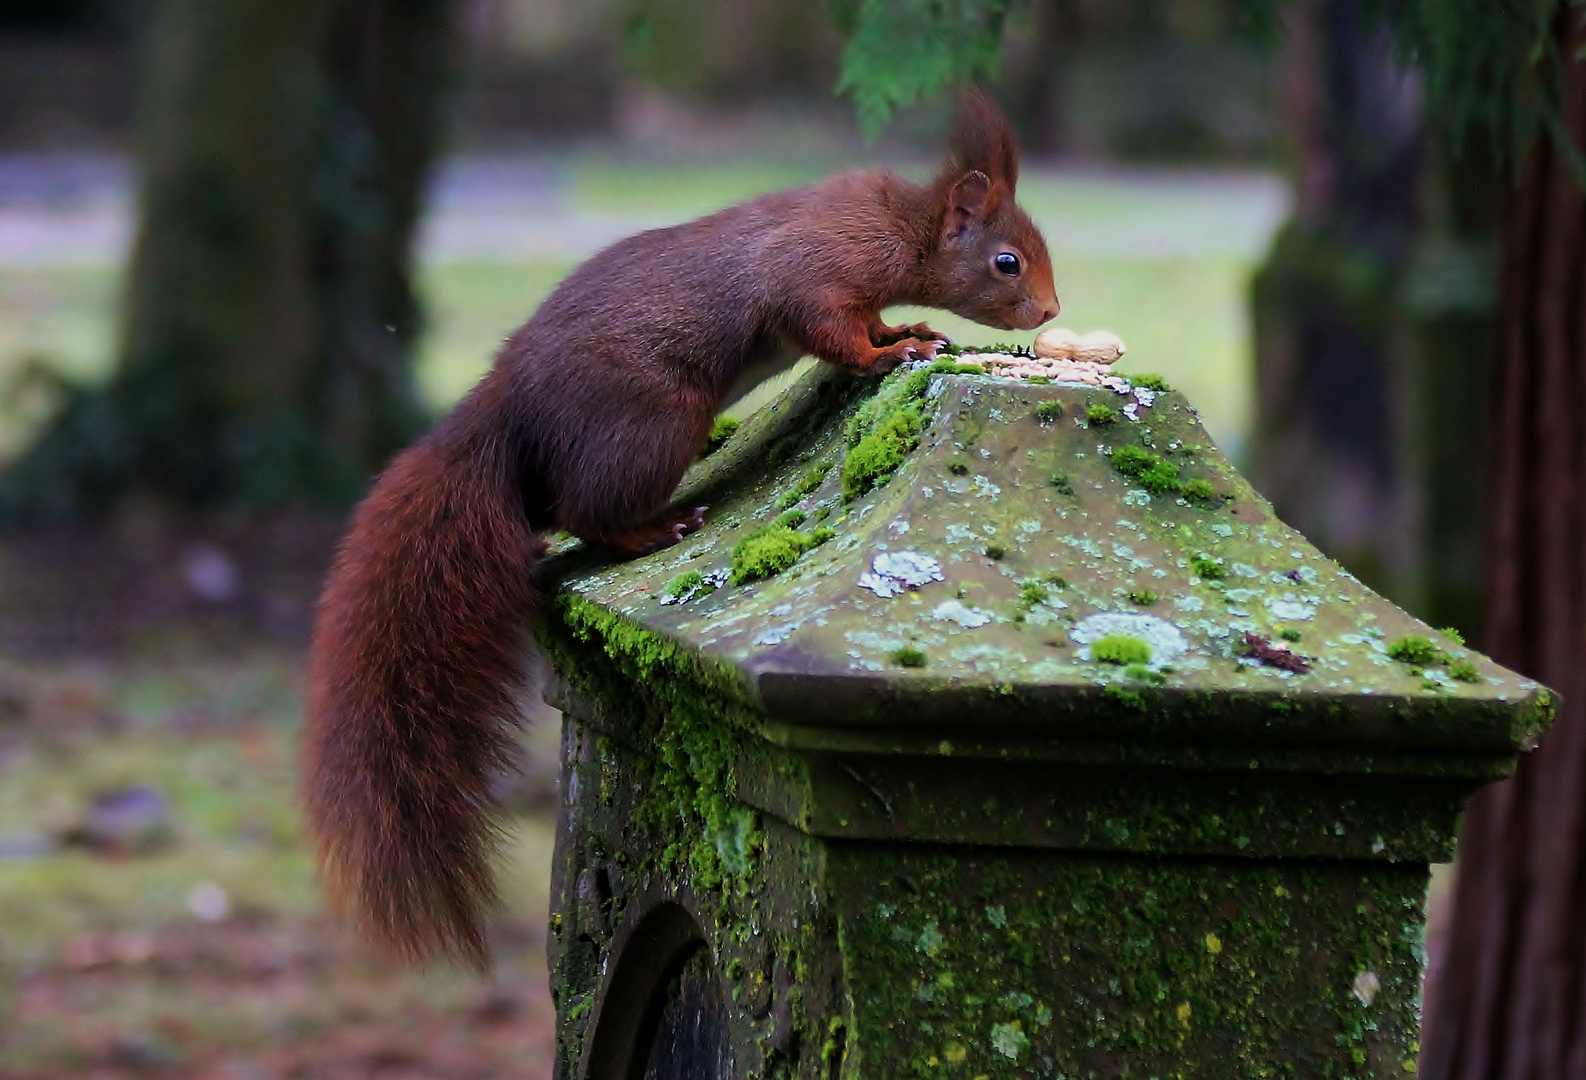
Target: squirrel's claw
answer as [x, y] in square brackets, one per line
[692, 523]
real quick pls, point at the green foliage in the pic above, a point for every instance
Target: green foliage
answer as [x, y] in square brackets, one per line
[1048, 411]
[1208, 568]
[908, 656]
[1032, 593]
[1150, 381]
[1120, 649]
[995, 551]
[900, 50]
[1199, 491]
[1415, 649]
[1490, 68]
[1100, 414]
[1143, 597]
[1453, 635]
[792, 519]
[1463, 671]
[1288, 633]
[722, 431]
[1061, 482]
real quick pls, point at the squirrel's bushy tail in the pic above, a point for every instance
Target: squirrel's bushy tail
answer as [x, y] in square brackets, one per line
[417, 662]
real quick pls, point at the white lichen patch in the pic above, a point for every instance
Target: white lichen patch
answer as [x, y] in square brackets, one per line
[776, 635]
[894, 572]
[1167, 644]
[955, 611]
[1290, 609]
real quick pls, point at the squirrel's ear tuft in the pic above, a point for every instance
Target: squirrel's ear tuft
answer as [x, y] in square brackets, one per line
[983, 141]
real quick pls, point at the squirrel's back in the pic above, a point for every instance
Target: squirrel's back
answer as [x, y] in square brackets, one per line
[587, 421]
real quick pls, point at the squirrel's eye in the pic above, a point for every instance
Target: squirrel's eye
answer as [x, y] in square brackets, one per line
[1008, 263]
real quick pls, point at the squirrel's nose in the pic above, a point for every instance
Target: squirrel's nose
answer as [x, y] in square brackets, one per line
[1048, 314]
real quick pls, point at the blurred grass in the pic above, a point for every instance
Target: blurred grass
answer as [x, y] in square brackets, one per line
[218, 739]
[1182, 318]
[105, 970]
[679, 191]
[1163, 261]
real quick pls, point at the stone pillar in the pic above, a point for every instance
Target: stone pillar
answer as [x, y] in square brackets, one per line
[994, 729]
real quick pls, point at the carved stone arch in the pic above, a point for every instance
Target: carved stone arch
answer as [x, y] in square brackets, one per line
[662, 1013]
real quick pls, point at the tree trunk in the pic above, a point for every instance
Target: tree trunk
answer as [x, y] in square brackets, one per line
[269, 316]
[1325, 445]
[1509, 1002]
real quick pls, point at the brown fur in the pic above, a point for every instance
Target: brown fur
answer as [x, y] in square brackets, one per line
[587, 421]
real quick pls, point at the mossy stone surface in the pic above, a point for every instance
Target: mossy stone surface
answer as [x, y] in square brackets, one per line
[980, 479]
[1017, 859]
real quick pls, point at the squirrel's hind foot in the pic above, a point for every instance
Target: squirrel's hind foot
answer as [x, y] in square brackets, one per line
[652, 536]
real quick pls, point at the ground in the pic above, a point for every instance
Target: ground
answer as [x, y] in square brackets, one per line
[177, 931]
[186, 938]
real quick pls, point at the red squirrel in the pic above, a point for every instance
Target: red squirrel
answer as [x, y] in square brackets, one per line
[587, 421]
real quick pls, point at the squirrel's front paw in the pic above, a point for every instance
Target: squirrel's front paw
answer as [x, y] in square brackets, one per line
[884, 360]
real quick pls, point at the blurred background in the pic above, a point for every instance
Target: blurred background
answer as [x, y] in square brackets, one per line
[247, 250]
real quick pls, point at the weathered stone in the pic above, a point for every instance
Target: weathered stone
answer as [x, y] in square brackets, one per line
[890, 794]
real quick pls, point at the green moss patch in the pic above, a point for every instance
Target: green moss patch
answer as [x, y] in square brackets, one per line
[812, 479]
[969, 965]
[724, 429]
[700, 710]
[877, 456]
[1415, 649]
[689, 583]
[771, 550]
[883, 430]
[909, 656]
[1099, 415]
[1156, 475]
[1120, 649]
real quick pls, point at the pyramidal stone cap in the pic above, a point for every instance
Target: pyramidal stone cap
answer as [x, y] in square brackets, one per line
[958, 554]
